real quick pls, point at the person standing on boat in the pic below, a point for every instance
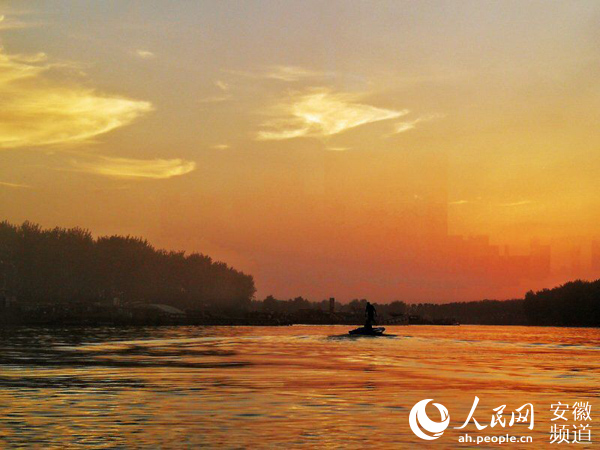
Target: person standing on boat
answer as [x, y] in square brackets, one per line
[370, 313]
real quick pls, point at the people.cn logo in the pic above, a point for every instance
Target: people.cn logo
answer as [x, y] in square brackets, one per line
[421, 425]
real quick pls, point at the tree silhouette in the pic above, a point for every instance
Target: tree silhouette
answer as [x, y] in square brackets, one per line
[68, 265]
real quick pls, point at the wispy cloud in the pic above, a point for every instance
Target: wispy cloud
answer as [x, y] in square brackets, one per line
[134, 168]
[479, 199]
[37, 111]
[145, 54]
[222, 85]
[223, 96]
[401, 127]
[221, 146]
[459, 202]
[283, 73]
[293, 73]
[215, 99]
[14, 185]
[321, 113]
[519, 203]
[10, 22]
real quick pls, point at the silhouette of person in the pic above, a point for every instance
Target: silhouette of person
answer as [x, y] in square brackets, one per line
[370, 313]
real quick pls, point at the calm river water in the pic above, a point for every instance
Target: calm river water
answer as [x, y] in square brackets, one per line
[266, 387]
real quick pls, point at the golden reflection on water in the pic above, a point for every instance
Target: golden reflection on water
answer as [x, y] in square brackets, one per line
[256, 387]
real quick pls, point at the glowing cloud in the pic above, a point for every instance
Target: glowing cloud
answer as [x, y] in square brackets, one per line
[321, 113]
[145, 54]
[135, 168]
[401, 127]
[225, 95]
[37, 112]
[283, 73]
[459, 202]
[222, 85]
[292, 73]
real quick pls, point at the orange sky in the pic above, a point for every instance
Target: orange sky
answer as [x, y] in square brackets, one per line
[328, 148]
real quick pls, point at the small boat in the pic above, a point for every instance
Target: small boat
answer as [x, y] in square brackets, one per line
[364, 331]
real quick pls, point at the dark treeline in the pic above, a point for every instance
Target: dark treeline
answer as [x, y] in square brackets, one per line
[488, 312]
[297, 304]
[69, 265]
[576, 303]
[355, 308]
[483, 312]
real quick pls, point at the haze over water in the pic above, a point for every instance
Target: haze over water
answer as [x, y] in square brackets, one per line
[264, 387]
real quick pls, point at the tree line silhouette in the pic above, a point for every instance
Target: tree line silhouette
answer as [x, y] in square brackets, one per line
[63, 265]
[576, 303]
[485, 312]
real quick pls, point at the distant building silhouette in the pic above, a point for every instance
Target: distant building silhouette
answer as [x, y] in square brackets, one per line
[596, 256]
[540, 259]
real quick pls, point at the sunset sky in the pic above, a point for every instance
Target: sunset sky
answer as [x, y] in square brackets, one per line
[328, 148]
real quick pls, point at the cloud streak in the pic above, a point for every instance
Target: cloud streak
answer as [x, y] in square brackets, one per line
[14, 185]
[408, 125]
[459, 202]
[11, 23]
[283, 73]
[145, 54]
[225, 95]
[134, 168]
[519, 203]
[293, 73]
[36, 111]
[222, 85]
[321, 113]
[505, 205]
